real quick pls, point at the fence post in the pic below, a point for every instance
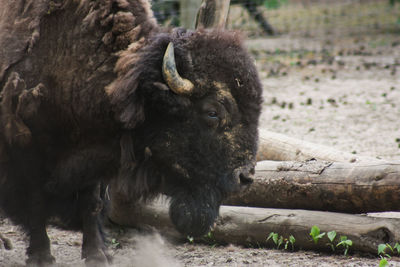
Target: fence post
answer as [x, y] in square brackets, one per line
[212, 14]
[188, 11]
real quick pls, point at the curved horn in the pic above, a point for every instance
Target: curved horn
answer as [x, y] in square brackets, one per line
[178, 85]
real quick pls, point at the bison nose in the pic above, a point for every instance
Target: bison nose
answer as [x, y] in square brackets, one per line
[244, 175]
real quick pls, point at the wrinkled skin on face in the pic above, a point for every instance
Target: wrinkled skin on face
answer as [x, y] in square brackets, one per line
[201, 146]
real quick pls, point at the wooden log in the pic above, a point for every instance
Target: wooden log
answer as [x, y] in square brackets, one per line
[318, 185]
[251, 226]
[279, 147]
[212, 14]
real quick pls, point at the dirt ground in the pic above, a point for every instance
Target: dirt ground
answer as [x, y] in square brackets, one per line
[341, 93]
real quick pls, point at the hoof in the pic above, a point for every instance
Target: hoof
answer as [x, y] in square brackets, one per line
[40, 260]
[98, 258]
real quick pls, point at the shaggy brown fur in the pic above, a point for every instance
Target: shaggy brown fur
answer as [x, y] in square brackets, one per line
[84, 101]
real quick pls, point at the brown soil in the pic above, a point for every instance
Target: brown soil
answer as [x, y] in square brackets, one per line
[341, 93]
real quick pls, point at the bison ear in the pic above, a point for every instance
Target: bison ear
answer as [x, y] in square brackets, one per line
[126, 102]
[161, 86]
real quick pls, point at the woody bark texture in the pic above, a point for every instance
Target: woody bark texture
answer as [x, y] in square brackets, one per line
[276, 146]
[327, 186]
[251, 226]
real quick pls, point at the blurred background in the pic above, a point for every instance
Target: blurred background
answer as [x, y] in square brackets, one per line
[309, 18]
[330, 68]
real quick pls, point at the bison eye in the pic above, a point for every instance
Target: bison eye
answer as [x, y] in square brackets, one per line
[212, 115]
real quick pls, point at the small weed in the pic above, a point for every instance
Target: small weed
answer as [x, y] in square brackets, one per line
[385, 256]
[209, 238]
[331, 236]
[371, 104]
[190, 239]
[316, 234]
[291, 241]
[274, 237]
[383, 262]
[279, 240]
[346, 243]
[397, 248]
[115, 244]
[382, 248]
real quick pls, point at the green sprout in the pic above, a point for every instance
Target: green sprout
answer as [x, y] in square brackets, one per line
[331, 236]
[346, 243]
[316, 234]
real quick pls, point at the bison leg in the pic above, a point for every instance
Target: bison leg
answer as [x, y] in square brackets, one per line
[39, 243]
[39, 247]
[93, 248]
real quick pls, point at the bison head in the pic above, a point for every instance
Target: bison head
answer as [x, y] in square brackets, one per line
[190, 102]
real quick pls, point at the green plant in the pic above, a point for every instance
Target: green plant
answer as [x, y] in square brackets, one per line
[397, 247]
[276, 239]
[383, 262]
[331, 236]
[190, 239]
[279, 240]
[115, 244]
[290, 241]
[382, 250]
[209, 238]
[274, 4]
[316, 234]
[346, 243]
[382, 253]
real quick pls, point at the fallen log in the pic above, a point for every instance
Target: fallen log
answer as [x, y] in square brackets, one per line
[327, 186]
[279, 147]
[250, 226]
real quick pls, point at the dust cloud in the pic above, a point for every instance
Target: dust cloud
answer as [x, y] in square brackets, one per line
[149, 251]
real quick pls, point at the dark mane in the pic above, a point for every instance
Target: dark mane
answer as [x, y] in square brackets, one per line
[213, 51]
[91, 96]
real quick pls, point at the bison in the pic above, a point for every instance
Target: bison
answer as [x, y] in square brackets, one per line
[96, 92]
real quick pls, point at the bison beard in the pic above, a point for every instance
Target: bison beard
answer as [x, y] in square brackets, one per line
[85, 100]
[193, 214]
